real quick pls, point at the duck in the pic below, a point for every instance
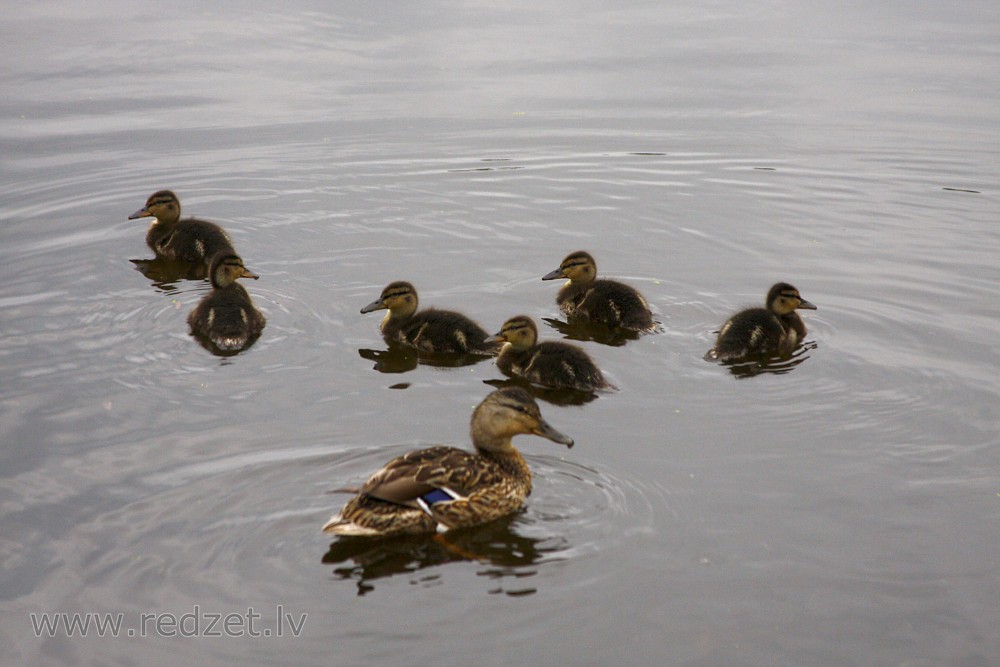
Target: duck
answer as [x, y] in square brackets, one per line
[774, 329]
[190, 240]
[551, 364]
[431, 329]
[226, 316]
[439, 488]
[609, 302]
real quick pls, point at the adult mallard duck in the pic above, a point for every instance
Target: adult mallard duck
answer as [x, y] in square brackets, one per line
[774, 329]
[430, 330]
[551, 364]
[191, 240]
[609, 302]
[443, 487]
[226, 316]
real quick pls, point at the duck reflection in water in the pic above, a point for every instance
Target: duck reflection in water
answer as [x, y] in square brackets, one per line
[774, 364]
[400, 358]
[584, 331]
[562, 397]
[505, 555]
[165, 272]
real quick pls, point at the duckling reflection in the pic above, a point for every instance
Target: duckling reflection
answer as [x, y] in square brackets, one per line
[563, 397]
[496, 545]
[189, 240]
[552, 364]
[770, 364]
[774, 329]
[395, 359]
[608, 302]
[165, 272]
[226, 317]
[400, 359]
[442, 488]
[429, 330]
[584, 331]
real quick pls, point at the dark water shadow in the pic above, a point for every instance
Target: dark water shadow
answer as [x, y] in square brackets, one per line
[400, 359]
[164, 272]
[755, 365]
[548, 394]
[496, 545]
[592, 331]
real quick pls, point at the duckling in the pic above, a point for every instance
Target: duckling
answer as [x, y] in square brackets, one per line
[430, 330]
[441, 487]
[552, 364]
[606, 301]
[191, 240]
[777, 328]
[226, 316]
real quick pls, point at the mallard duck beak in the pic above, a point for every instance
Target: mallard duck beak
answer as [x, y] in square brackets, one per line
[552, 275]
[805, 305]
[499, 338]
[546, 431]
[141, 213]
[377, 304]
[247, 273]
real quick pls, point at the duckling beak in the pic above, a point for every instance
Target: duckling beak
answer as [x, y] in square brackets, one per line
[247, 273]
[141, 213]
[377, 304]
[805, 305]
[552, 275]
[546, 431]
[499, 337]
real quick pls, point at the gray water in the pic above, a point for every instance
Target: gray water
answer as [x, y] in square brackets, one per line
[838, 508]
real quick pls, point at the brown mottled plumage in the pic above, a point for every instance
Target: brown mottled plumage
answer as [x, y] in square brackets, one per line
[430, 330]
[552, 363]
[777, 328]
[226, 316]
[191, 240]
[609, 302]
[442, 487]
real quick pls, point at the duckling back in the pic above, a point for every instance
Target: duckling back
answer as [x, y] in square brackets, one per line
[775, 329]
[190, 240]
[551, 363]
[434, 330]
[748, 332]
[608, 302]
[430, 330]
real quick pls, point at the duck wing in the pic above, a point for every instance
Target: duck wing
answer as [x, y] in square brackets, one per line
[408, 478]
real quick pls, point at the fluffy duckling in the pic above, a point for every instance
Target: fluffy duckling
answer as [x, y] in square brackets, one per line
[551, 364]
[226, 316]
[607, 301]
[430, 330]
[443, 487]
[777, 328]
[191, 240]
